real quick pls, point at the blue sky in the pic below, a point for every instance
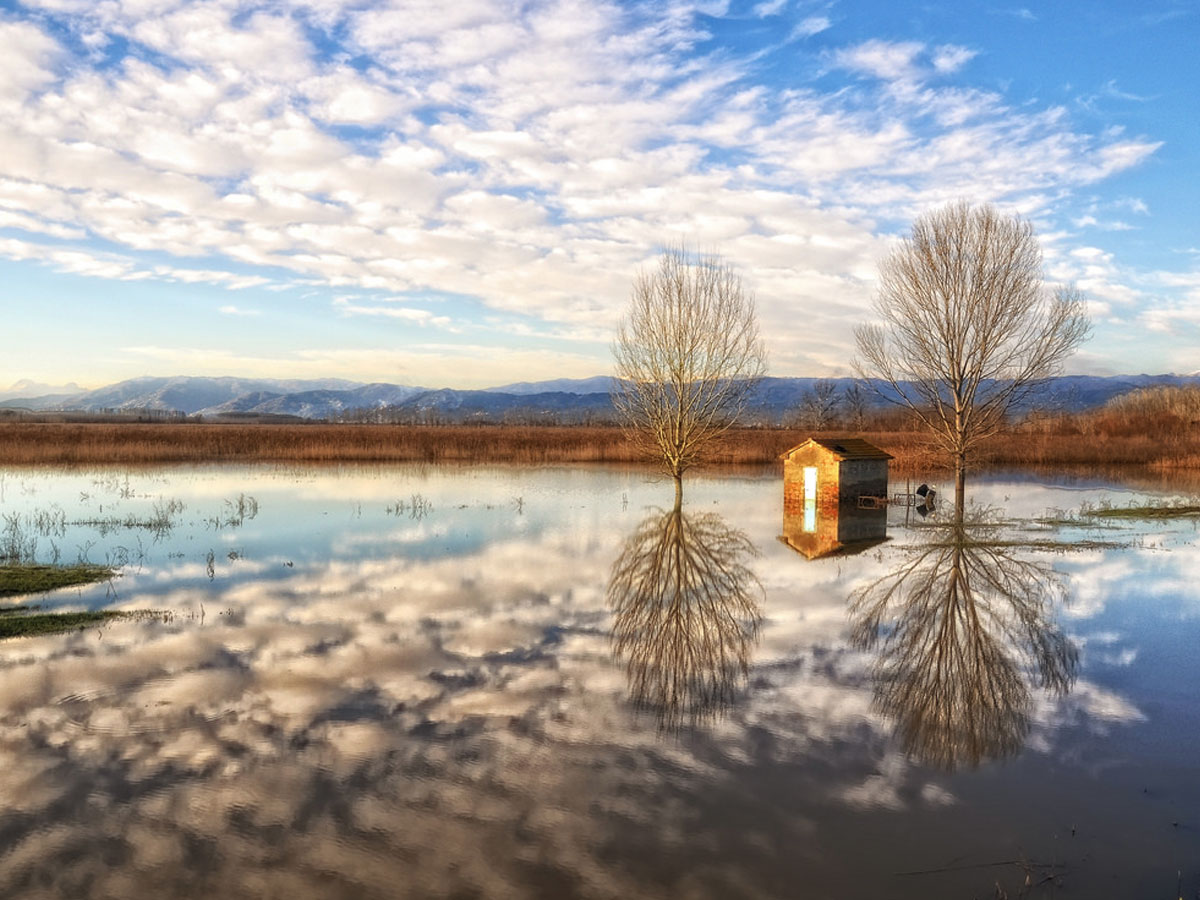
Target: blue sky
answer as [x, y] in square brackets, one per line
[460, 194]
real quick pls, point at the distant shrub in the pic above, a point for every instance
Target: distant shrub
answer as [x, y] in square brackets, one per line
[1150, 411]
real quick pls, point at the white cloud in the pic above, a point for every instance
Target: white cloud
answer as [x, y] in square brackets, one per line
[230, 280]
[950, 57]
[1116, 157]
[346, 96]
[409, 314]
[1133, 204]
[1172, 319]
[398, 357]
[207, 34]
[769, 8]
[77, 262]
[530, 158]
[11, 219]
[1090, 221]
[810, 26]
[28, 54]
[888, 60]
[122, 268]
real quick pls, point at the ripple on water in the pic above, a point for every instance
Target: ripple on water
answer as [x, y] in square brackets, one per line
[159, 703]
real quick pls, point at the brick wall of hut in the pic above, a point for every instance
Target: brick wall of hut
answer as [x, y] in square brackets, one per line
[828, 472]
[837, 483]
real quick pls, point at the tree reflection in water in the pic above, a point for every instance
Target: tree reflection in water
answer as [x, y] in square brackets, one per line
[686, 613]
[963, 632]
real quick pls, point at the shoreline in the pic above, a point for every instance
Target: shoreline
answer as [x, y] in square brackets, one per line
[1167, 457]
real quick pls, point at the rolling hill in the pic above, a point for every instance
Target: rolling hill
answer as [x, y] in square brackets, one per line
[561, 399]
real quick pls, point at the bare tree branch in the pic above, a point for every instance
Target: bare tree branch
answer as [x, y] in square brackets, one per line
[968, 327]
[819, 406]
[686, 613]
[962, 632]
[687, 357]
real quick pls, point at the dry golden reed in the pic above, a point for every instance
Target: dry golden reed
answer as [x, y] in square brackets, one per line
[1062, 443]
[134, 443]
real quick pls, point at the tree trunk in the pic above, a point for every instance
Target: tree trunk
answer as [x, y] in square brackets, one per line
[678, 489]
[960, 485]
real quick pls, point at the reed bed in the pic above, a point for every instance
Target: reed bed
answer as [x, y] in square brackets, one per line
[130, 444]
[79, 444]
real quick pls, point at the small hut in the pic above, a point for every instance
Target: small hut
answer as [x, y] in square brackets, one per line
[826, 484]
[834, 472]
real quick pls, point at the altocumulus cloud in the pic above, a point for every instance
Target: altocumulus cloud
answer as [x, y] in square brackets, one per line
[530, 157]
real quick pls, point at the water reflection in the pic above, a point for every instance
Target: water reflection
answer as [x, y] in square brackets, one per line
[835, 529]
[428, 707]
[686, 613]
[963, 631]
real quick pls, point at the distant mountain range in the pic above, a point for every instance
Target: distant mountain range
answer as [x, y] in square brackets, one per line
[28, 388]
[568, 400]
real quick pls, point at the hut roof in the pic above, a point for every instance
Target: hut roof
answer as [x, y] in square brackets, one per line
[844, 448]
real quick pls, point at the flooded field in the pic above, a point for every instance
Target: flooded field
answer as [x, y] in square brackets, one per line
[505, 682]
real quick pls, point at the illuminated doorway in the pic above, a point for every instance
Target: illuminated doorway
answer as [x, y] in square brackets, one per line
[810, 498]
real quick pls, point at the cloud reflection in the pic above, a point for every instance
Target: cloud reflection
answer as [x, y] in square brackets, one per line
[962, 631]
[686, 613]
[384, 720]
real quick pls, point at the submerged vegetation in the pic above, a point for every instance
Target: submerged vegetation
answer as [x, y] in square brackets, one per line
[1106, 516]
[17, 622]
[30, 621]
[27, 568]
[18, 579]
[1146, 511]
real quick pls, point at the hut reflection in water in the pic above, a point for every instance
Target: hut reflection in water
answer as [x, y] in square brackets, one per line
[820, 531]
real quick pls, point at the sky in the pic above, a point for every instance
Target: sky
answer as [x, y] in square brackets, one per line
[461, 194]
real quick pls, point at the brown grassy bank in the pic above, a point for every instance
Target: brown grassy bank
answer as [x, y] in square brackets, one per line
[1058, 444]
[99, 444]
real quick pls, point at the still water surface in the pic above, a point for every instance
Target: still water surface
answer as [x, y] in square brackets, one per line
[502, 682]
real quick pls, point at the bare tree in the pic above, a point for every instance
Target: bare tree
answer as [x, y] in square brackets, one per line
[820, 403]
[968, 326]
[687, 356]
[856, 404]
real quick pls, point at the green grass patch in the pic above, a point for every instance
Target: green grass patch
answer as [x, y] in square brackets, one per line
[1034, 544]
[29, 624]
[1168, 511]
[33, 579]
[1082, 519]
